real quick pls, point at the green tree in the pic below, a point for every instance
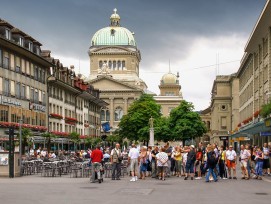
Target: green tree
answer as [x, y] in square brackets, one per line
[185, 123]
[266, 110]
[26, 135]
[49, 136]
[75, 138]
[135, 124]
[162, 130]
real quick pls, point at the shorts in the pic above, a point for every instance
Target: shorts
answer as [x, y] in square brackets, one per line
[243, 163]
[198, 166]
[178, 165]
[134, 165]
[266, 164]
[143, 167]
[189, 167]
[161, 169]
[231, 164]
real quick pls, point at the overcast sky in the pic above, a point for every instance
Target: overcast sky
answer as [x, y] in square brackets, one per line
[191, 33]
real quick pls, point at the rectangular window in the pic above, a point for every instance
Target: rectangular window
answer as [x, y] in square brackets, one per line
[32, 70]
[36, 72]
[7, 34]
[6, 87]
[18, 90]
[223, 123]
[18, 64]
[1, 85]
[36, 96]
[23, 91]
[27, 91]
[30, 46]
[21, 41]
[43, 98]
[6, 60]
[32, 94]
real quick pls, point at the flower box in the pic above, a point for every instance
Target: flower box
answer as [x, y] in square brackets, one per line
[57, 116]
[70, 119]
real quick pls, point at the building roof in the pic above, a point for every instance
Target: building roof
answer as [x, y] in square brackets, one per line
[260, 29]
[113, 34]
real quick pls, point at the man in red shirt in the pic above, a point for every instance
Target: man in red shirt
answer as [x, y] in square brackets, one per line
[96, 159]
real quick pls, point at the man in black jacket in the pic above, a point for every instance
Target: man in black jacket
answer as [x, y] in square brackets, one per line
[189, 167]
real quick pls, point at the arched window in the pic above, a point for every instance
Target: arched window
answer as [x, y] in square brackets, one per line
[105, 115]
[123, 64]
[118, 113]
[119, 65]
[114, 65]
[100, 64]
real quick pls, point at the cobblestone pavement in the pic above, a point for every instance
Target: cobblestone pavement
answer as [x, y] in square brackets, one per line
[39, 190]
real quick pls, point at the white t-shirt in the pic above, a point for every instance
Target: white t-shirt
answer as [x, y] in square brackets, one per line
[230, 155]
[244, 154]
[265, 151]
[133, 153]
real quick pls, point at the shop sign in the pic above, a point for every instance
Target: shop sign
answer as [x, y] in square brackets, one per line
[7, 101]
[265, 133]
[37, 107]
[223, 138]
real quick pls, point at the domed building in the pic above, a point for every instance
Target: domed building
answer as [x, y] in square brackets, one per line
[114, 69]
[170, 93]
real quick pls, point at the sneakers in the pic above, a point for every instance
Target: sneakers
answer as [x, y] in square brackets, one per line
[198, 178]
[136, 178]
[225, 178]
[133, 179]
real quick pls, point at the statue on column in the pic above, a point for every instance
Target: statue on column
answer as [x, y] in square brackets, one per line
[151, 122]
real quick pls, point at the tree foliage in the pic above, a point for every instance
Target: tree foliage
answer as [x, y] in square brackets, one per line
[184, 123]
[135, 124]
[266, 110]
[49, 136]
[162, 131]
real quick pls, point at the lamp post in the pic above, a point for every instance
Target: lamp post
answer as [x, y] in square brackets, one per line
[20, 151]
[151, 142]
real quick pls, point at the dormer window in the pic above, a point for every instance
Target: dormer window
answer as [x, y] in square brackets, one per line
[30, 46]
[21, 41]
[7, 34]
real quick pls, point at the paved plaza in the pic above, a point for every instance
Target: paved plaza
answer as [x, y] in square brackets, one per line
[38, 190]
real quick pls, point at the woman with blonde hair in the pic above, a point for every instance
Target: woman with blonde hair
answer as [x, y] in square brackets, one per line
[178, 161]
[143, 162]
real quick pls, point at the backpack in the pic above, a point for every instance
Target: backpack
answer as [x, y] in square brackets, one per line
[212, 160]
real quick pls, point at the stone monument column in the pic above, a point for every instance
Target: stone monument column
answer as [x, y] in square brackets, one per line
[151, 142]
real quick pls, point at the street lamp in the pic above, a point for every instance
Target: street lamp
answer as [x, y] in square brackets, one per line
[20, 151]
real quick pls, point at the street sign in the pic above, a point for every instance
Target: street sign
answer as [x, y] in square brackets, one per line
[265, 133]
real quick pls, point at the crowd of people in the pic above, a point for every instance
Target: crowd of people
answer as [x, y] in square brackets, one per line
[212, 162]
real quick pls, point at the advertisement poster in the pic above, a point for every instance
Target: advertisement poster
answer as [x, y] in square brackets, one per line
[3, 159]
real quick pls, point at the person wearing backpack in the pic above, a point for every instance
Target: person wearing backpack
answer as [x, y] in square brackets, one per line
[211, 163]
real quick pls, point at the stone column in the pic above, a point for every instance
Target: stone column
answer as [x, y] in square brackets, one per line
[125, 105]
[151, 142]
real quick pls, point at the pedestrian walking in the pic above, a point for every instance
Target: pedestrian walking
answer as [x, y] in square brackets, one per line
[96, 159]
[259, 163]
[116, 159]
[211, 164]
[231, 162]
[133, 160]
[244, 157]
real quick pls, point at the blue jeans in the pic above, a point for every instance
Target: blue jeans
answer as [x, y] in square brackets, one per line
[259, 168]
[211, 171]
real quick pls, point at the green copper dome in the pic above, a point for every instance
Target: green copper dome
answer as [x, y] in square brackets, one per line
[114, 34]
